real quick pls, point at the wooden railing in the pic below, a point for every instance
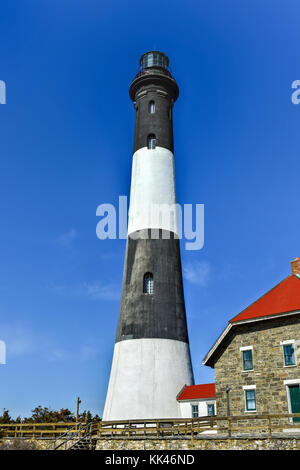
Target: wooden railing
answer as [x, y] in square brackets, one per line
[38, 430]
[163, 428]
[228, 425]
[69, 439]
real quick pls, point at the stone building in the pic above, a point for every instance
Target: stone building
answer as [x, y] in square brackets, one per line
[256, 358]
[196, 401]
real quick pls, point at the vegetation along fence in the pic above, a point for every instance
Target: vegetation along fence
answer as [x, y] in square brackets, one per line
[267, 425]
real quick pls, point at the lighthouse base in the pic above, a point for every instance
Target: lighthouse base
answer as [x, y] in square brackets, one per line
[146, 376]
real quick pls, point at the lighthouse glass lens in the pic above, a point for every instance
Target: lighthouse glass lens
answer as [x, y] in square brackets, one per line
[147, 61]
[154, 60]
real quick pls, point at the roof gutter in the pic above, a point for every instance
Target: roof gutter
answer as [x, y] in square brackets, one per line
[196, 399]
[216, 344]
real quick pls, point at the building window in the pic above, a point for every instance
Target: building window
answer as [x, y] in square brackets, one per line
[294, 400]
[250, 397]
[210, 409]
[247, 360]
[195, 411]
[148, 283]
[289, 354]
[151, 141]
[151, 107]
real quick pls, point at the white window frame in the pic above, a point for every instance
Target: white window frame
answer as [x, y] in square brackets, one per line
[286, 343]
[247, 348]
[209, 403]
[250, 387]
[194, 404]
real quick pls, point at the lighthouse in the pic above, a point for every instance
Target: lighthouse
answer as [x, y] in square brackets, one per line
[151, 360]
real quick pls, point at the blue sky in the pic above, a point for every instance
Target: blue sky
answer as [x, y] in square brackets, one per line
[66, 146]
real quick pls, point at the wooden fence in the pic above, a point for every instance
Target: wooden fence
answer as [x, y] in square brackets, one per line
[214, 425]
[37, 430]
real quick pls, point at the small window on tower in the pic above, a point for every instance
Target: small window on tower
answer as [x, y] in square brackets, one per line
[148, 283]
[151, 107]
[151, 141]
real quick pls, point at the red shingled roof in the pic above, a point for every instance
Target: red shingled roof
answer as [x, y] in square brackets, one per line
[284, 297]
[193, 392]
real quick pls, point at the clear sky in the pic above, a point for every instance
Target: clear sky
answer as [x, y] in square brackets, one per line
[66, 147]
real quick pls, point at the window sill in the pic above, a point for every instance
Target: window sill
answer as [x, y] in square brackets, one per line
[250, 411]
[249, 370]
[292, 365]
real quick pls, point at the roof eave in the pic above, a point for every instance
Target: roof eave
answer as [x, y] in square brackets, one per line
[265, 317]
[216, 345]
[207, 361]
[196, 399]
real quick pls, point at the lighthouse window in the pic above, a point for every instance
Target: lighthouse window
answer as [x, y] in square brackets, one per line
[148, 283]
[151, 107]
[151, 141]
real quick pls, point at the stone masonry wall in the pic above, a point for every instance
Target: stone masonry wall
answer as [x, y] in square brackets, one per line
[201, 444]
[268, 372]
[275, 443]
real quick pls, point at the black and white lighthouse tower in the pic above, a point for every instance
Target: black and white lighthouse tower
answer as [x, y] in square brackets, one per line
[151, 360]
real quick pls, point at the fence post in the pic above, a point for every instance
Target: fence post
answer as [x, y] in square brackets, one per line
[229, 426]
[269, 426]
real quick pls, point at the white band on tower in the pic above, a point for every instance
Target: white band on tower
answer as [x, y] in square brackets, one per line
[147, 374]
[152, 195]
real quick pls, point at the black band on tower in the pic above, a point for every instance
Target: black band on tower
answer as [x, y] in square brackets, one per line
[160, 311]
[153, 92]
